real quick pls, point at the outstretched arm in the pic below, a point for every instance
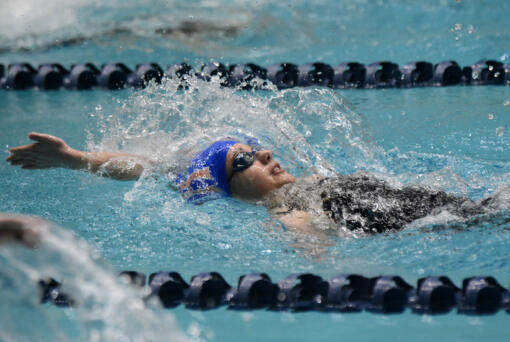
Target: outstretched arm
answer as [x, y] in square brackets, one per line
[49, 151]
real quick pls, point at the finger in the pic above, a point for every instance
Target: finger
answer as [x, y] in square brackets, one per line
[23, 153]
[29, 167]
[17, 157]
[20, 161]
[42, 137]
[13, 159]
[27, 160]
[23, 148]
[17, 162]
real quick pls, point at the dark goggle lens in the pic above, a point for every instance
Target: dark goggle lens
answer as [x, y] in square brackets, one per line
[243, 160]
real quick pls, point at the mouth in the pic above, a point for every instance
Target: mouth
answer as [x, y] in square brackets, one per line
[276, 169]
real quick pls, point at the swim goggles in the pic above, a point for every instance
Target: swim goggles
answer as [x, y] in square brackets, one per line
[243, 160]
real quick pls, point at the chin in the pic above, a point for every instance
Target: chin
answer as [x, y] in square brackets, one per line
[285, 178]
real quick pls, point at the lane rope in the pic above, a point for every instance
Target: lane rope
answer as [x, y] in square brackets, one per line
[480, 295]
[53, 76]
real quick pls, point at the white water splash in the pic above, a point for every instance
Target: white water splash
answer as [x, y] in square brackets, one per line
[303, 126]
[106, 310]
[30, 23]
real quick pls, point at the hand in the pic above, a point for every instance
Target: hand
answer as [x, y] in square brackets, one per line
[25, 230]
[47, 152]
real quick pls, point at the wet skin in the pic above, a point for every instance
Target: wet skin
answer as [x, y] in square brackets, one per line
[21, 229]
[262, 177]
[253, 183]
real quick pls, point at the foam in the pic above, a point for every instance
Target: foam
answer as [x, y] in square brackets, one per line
[25, 24]
[107, 310]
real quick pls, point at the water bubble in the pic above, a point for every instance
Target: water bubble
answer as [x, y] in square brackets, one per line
[490, 116]
[458, 27]
[471, 29]
[506, 103]
[500, 131]
[224, 246]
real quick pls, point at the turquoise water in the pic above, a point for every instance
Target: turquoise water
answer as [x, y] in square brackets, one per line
[454, 138]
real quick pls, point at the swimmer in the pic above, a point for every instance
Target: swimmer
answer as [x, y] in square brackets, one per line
[20, 229]
[193, 33]
[358, 202]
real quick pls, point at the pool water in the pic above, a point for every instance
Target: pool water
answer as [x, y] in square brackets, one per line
[455, 138]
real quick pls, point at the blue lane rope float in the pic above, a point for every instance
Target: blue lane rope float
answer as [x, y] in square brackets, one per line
[20, 76]
[308, 292]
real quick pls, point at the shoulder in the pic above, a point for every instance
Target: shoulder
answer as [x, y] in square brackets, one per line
[297, 220]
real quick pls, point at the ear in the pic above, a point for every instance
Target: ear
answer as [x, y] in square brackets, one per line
[234, 186]
[239, 188]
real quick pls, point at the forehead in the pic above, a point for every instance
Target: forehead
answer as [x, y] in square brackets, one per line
[239, 148]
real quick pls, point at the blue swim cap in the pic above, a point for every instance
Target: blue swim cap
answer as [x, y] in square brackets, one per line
[206, 177]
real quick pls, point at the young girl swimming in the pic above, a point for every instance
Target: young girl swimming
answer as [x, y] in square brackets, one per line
[231, 168]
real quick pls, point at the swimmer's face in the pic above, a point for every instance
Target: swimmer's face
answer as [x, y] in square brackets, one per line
[262, 177]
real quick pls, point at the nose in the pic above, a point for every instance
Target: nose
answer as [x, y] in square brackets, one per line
[264, 156]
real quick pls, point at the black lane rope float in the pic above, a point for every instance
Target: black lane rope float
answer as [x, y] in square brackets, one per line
[284, 75]
[308, 292]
